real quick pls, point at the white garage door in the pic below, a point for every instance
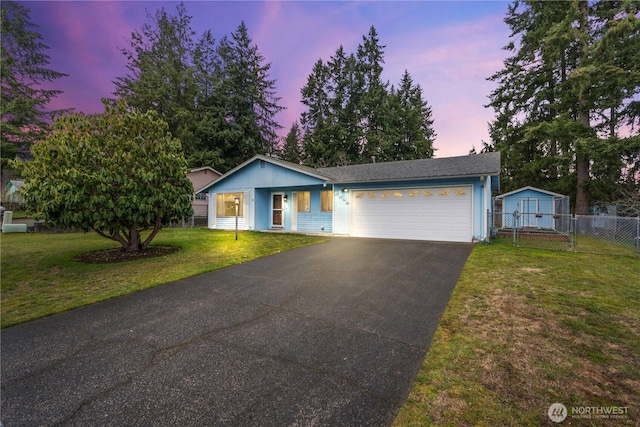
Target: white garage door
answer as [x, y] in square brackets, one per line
[425, 213]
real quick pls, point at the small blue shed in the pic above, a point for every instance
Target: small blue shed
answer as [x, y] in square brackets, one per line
[534, 207]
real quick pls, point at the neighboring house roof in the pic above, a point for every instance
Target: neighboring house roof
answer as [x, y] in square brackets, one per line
[205, 168]
[405, 170]
[539, 190]
[16, 184]
[201, 177]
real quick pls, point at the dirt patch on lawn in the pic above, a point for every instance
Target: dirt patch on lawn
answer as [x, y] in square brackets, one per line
[108, 256]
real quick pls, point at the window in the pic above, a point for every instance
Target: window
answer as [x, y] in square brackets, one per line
[304, 201]
[226, 204]
[326, 201]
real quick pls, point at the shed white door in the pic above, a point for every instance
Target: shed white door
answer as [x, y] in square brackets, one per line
[424, 213]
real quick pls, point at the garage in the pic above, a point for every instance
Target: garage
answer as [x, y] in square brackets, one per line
[442, 213]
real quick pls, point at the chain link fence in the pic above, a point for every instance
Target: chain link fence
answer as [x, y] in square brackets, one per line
[198, 219]
[598, 234]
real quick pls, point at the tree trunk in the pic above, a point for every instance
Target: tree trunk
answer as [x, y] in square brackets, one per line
[582, 160]
[134, 244]
[582, 172]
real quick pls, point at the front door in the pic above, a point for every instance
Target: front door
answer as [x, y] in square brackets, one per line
[277, 216]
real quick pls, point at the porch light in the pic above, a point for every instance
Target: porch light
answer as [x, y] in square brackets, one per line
[345, 189]
[285, 198]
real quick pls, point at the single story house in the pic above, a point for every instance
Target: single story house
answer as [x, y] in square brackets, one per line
[536, 208]
[443, 199]
[202, 177]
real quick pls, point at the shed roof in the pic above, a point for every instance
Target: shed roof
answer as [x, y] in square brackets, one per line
[528, 187]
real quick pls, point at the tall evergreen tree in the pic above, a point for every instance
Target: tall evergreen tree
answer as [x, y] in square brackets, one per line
[351, 117]
[563, 94]
[250, 97]
[410, 131]
[160, 72]
[209, 110]
[217, 98]
[345, 85]
[370, 57]
[291, 150]
[315, 121]
[23, 70]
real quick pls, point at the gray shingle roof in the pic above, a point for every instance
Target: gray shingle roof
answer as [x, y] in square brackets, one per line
[405, 170]
[445, 167]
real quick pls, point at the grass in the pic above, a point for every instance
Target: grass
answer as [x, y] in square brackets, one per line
[526, 328]
[39, 276]
[584, 244]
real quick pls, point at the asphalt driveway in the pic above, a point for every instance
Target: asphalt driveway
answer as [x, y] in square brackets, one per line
[326, 335]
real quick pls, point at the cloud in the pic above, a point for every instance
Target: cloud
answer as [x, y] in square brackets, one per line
[85, 39]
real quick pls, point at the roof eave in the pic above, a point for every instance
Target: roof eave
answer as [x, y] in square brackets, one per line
[417, 178]
[271, 160]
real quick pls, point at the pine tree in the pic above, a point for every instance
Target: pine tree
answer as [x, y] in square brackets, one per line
[352, 118]
[410, 132]
[343, 106]
[291, 151]
[161, 73]
[250, 98]
[315, 121]
[209, 111]
[373, 102]
[24, 70]
[571, 81]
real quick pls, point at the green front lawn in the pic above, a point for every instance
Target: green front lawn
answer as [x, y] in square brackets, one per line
[39, 276]
[526, 328]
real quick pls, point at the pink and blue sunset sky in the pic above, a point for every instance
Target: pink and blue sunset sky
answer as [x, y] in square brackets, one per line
[448, 47]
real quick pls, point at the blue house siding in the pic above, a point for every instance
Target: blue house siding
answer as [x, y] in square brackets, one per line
[262, 174]
[315, 221]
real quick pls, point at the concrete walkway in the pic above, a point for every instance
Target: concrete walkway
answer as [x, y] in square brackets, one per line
[326, 335]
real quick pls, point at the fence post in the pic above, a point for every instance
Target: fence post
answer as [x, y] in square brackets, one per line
[575, 233]
[515, 228]
[638, 236]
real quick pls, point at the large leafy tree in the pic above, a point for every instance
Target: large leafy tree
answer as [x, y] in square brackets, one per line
[566, 103]
[118, 173]
[24, 72]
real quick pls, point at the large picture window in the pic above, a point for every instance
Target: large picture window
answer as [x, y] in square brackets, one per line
[326, 201]
[304, 201]
[226, 204]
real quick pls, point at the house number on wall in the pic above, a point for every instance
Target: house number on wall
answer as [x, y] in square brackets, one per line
[340, 195]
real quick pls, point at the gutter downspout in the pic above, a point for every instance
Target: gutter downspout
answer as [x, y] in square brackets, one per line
[486, 198]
